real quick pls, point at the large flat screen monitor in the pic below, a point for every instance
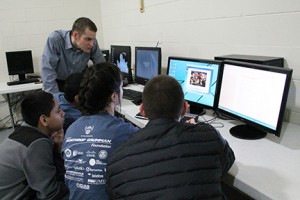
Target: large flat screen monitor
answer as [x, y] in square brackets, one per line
[255, 94]
[19, 63]
[147, 63]
[121, 56]
[198, 78]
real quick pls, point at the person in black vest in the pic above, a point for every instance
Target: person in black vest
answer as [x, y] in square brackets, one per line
[169, 159]
[31, 165]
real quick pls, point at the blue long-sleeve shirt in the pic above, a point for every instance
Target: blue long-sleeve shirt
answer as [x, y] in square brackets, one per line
[88, 144]
[71, 112]
[60, 59]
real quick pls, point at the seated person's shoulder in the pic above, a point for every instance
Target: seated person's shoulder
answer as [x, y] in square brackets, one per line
[57, 96]
[201, 129]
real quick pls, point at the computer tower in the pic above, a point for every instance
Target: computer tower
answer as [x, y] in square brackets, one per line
[105, 54]
[264, 60]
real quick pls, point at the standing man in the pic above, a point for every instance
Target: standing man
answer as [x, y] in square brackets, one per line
[68, 52]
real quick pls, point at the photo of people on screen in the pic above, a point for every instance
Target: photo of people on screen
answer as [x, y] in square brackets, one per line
[122, 62]
[198, 80]
[147, 64]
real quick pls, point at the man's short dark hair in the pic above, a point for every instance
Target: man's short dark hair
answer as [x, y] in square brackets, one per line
[82, 23]
[35, 104]
[72, 86]
[163, 98]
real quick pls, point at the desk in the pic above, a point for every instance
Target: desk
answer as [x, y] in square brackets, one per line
[5, 89]
[268, 168]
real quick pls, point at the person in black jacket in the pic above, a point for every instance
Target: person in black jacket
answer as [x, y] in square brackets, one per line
[168, 159]
[31, 165]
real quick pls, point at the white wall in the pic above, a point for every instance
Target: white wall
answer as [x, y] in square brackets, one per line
[194, 28]
[209, 28]
[27, 24]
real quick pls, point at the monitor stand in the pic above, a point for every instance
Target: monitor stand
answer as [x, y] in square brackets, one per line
[247, 132]
[21, 77]
[196, 109]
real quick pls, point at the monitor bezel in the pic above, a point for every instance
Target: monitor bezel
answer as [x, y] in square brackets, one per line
[142, 80]
[125, 75]
[288, 72]
[204, 106]
[15, 57]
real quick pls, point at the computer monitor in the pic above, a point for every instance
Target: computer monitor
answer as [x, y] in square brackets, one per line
[19, 63]
[254, 94]
[121, 56]
[147, 63]
[198, 78]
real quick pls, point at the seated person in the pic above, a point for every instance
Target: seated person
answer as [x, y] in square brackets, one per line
[68, 99]
[31, 166]
[90, 140]
[168, 159]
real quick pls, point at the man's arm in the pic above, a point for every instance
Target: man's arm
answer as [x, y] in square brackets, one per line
[41, 172]
[227, 157]
[96, 54]
[49, 63]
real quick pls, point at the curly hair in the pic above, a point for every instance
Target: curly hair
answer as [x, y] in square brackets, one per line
[99, 82]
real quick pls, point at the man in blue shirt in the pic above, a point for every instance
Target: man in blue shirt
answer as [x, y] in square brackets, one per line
[68, 52]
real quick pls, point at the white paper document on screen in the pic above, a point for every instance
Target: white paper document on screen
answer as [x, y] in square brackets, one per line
[261, 90]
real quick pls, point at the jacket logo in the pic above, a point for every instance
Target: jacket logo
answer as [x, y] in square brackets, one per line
[88, 129]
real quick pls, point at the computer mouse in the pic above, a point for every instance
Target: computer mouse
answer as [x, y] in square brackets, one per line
[137, 101]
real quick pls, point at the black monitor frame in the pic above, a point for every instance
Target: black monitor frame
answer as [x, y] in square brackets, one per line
[137, 77]
[197, 107]
[253, 128]
[19, 63]
[125, 51]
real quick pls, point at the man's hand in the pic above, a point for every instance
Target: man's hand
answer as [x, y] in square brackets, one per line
[58, 138]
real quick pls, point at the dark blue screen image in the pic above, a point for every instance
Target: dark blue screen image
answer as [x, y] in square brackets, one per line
[147, 63]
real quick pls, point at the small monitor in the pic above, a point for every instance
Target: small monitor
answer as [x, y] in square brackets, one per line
[198, 78]
[105, 54]
[256, 95]
[19, 63]
[147, 63]
[121, 56]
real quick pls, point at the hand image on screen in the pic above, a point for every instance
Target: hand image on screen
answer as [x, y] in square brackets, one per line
[122, 64]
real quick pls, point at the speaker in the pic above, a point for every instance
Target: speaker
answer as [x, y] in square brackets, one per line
[264, 60]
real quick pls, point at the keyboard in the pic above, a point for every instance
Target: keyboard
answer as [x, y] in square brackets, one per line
[131, 94]
[185, 118]
[31, 80]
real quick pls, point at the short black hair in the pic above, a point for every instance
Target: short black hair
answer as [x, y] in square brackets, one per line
[99, 82]
[36, 104]
[82, 23]
[163, 98]
[72, 86]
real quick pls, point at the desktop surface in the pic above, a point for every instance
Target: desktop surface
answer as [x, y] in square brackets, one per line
[6, 89]
[30, 80]
[265, 169]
